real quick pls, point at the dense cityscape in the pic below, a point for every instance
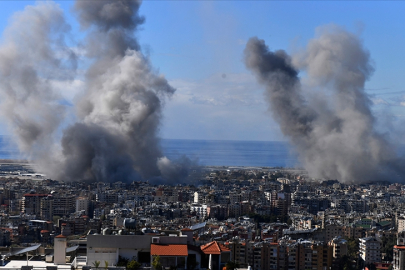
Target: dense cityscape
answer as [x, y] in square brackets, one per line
[92, 91]
[232, 217]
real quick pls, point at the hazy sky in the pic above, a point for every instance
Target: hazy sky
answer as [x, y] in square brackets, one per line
[198, 46]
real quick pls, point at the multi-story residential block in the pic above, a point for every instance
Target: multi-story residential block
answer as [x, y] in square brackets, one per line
[339, 247]
[234, 197]
[399, 252]
[321, 256]
[107, 197]
[234, 210]
[199, 209]
[82, 205]
[401, 223]
[46, 211]
[370, 250]
[352, 231]
[64, 205]
[217, 211]
[332, 231]
[31, 203]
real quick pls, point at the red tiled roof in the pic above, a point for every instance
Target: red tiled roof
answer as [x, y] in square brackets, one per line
[168, 250]
[186, 230]
[399, 247]
[60, 236]
[214, 248]
[35, 195]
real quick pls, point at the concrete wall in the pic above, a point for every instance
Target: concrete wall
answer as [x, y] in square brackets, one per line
[119, 241]
[102, 254]
[109, 247]
[175, 240]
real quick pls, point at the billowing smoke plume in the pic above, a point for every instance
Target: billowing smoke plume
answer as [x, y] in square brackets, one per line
[32, 55]
[331, 126]
[119, 113]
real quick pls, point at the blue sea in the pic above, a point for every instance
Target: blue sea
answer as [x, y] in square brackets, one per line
[8, 150]
[208, 152]
[232, 153]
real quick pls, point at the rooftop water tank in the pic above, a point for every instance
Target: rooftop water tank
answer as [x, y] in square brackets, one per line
[130, 223]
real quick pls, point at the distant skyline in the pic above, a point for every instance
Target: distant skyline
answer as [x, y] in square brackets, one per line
[198, 46]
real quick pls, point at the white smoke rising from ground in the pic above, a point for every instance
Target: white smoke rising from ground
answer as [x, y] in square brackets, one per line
[333, 132]
[119, 112]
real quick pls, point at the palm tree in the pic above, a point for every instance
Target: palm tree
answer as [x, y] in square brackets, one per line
[96, 264]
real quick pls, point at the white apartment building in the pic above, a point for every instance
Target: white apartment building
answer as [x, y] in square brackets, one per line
[200, 209]
[370, 250]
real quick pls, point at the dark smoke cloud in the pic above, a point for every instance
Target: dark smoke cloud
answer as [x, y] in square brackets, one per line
[118, 114]
[333, 130]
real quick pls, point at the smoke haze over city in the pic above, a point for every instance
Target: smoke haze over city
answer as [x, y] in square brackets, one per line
[88, 87]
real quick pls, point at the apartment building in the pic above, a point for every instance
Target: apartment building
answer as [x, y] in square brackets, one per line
[339, 247]
[399, 252]
[31, 203]
[370, 250]
[82, 205]
[64, 205]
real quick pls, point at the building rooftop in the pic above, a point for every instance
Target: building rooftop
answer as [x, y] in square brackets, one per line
[214, 248]
[168, 250]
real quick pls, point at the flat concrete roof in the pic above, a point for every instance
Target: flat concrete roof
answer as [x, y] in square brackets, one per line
[16, 264]
[119, 241]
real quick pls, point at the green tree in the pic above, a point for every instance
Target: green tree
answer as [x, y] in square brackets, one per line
[133, 265]
[156, 262]
[353, 248]
[96, 264]
[231, 265]
[387, 247]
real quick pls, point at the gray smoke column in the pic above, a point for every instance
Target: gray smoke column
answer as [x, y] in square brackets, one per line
[119, 113]
[328, 120]
[32, 55]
